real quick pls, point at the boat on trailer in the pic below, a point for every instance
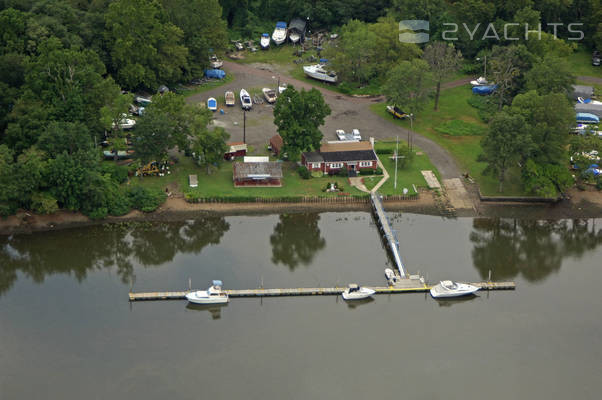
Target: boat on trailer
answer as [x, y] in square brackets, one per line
[269, 94]
[245, 100]
[230, 98]
[212, 104]
[264, 42]
[215, 62]
[320, 72]
[279, 35]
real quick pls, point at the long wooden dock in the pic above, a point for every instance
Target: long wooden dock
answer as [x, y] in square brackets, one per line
[332, 291]
[383, 223]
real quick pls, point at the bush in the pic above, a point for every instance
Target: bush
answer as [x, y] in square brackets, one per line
[485, 106]
[368, 171]
[118, 173]
[378, 171]
[343, 172]
[599, 183]
[99, 213]
[119, 203]
[304, 172]
[7, 209]
[145, 200]
[44, 203]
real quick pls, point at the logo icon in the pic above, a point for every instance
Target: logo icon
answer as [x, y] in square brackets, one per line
[413, 25]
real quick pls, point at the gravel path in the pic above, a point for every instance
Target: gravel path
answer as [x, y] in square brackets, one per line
[590, 79]
[347, 113]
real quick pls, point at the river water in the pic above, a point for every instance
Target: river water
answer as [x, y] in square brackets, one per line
[67, 330]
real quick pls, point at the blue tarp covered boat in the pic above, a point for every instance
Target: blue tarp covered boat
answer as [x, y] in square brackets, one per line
[212, 104]
[587, 118]
[485, 89]
[215, 73]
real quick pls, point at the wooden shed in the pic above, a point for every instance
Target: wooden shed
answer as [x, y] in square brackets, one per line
[261, 174]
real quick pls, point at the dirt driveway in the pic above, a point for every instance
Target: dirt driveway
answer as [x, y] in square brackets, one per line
[347, 113]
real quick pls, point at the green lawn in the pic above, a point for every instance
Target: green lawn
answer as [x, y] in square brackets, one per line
[190, 90]
[219, 182]
[406, 177]
[453, 105]
[281, 55]
[581, 63]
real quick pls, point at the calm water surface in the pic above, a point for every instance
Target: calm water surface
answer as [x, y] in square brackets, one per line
[67, 330]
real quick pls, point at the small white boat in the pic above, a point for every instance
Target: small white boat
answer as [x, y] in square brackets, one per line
[212, 104]
[319, 72]
[581, 100]
[294, 37]
[282, 88]
[239, 46]
[481, 81]
[269, 94]
[279, 35]
[264, 42]
[245, 100]
[215, 62]
[142, 101]
[390, 275]
[126, 123]
[452, 289]
[230, 99]
[213, 295]
[356, 292]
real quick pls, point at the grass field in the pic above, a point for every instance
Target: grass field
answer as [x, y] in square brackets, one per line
[190, 90]
[581, 63]
[406, 177]
[453, 105]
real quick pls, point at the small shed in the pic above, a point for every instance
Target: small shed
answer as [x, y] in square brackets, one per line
[299, 26]
[249, 159]
[258, 174]
[582, 91]
[276, 144]
[193, 181]
[235, 149]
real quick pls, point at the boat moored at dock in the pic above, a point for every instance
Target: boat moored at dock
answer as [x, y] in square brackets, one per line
[213, 295]
[445, 289]
[357, 292]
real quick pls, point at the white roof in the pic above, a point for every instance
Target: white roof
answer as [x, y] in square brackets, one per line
[249, 159]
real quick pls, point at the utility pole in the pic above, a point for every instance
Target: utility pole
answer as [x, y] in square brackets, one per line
[396, 155]
[411, 130]
[244, 126]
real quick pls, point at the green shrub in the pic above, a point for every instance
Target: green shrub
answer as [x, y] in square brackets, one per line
[118, 173]
[99, 213]
[145, 200]
[119, 203]
[485, 106]
[304, 172]
[368, 171]
[44, 203]
[343, 172]
[7, 209]
[378, 171]
[599, 183]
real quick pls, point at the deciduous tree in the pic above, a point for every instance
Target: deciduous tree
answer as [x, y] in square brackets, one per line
[443, 60]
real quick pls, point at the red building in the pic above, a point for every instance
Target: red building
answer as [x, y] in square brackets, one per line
[355, 156]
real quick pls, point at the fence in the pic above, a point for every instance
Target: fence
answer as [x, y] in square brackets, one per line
[298, 199]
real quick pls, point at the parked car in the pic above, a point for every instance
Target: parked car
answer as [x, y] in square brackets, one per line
[596, 58]
[354, 135]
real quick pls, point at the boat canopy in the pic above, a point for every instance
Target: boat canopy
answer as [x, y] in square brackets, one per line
[215, 73]
[281, 25]
[323, 60]
[265, 35]
[587, 117]
[217, 282]
[486, 89]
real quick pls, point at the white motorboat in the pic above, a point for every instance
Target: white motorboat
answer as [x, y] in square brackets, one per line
[481, 81]
[279, 35]
[269, 94]
[319, 72]
[212, 104]
[581, 100]
[142, 101]
[126, 123]
[294, 37]
[264, 42]
[390, 275]
[245, 100]
[282, 88]
[452, 289]
[213, 295]
[356, 292]
[215, 62]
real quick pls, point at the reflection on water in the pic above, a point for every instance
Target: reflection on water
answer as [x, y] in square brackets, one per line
[77, 251]
[214, 309]
[296, 239]
[443, 302]
[530, 248]
[353, 304]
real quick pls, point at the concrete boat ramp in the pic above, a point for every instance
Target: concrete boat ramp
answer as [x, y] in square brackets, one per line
[403, 283]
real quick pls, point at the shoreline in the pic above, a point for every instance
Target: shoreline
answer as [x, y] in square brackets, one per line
[582, 205]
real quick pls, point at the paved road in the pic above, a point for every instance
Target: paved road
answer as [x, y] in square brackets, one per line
[347, 113]
[591, 79]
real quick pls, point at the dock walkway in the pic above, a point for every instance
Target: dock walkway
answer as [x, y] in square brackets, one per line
[383, 223]
[332, 291]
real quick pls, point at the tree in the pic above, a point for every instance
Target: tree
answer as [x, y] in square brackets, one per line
[443, 60]
[298, 116]
[153, 137]
[209, 147]
[112, 115]
[145, 49]
[506, 140]
[407, 85]
[504, 69]
[550, 75]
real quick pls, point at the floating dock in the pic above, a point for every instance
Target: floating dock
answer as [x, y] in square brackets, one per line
[402, 287]
[385, 226]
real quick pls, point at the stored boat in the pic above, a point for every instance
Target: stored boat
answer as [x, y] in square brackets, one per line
[484, 89]
[126, 123]
[587, 118]
[481, 81]
[245, 100]
[215, 62]
[296, 30]
[269, 94]
[282, 88]
[452, 289]
[212, 104]
[121, 154]
[213, 295]
[390, 275]
[319, 72]
[356, 292]
[264, 42]
[230, 98]
[396, 112]
[279, 35]
[142, 101]
[588, 101]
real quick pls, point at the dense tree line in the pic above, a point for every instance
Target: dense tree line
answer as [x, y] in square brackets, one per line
[63, 67]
